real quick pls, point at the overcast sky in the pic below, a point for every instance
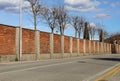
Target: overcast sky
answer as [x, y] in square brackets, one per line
[95, 11]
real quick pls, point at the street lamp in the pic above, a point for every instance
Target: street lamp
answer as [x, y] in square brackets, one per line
[20, 32]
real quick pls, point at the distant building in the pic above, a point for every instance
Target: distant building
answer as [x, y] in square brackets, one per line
[115, 39]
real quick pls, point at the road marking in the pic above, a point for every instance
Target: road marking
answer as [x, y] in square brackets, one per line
[26, 69]
[109, 74]
[101, 73]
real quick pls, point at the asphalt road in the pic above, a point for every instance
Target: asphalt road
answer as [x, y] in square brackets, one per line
[86, 68]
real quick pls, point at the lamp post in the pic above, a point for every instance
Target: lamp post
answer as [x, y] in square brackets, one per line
[20, 32]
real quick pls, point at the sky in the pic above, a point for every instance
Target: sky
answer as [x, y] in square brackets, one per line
[106, 12]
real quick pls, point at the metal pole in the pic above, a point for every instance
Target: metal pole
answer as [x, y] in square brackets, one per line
[20, 32]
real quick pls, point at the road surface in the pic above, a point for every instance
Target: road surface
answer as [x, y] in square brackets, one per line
[87, 68]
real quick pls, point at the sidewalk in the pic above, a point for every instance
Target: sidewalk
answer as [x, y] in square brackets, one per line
[115, 77]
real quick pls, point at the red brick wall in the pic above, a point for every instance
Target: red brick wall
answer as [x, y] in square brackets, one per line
[87, 46]
[74, 45]
[7, 40]
[81, 46]
[107, 48]
[28, 41]
[44, 43]
[95, 47]
[66, 44]
[57, 43]
[92, 46]
[100, 48]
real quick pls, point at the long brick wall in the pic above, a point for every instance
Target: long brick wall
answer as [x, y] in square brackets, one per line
[75, 46]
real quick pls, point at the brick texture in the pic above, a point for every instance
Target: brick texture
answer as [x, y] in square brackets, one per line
[28, 41]
[92, 46]
[7, 40]
[57, 43]
[44, 43]
[81, 46]
[74, 45]
[87, 46]
[66, 44]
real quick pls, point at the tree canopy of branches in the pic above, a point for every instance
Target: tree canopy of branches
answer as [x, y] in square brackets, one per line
[35, 7]
[78, 24]
[75, 23]
[51, 17]
[86, 31]
[92, 31]
[81, 25]
[62, 19]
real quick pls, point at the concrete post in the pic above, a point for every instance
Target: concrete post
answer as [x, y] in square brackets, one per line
[89, 47]
[62, 46]
[51, 45]
[17, 44]
[94, 47]
[71, 43]
[84, 46]
[37, 44]
[78, 47]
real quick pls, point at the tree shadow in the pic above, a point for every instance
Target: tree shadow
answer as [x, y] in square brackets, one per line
[108, 59]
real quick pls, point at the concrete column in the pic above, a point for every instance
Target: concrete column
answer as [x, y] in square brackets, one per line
[37, 44]
[71, 43]
[62, 46]
[89, 47]
[51, 45]
[84, 46]
[94, 47]
[17, 44]
[78, 47]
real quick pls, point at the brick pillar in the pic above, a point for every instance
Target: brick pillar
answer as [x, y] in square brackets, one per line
[78, 47]
[71, 43]
[18, 44]
[51, 45]
[62, 46]
[37, 44]
[84, 46]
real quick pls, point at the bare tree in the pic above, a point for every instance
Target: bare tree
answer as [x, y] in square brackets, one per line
[35, 7]
[92, 30]
[50, 17]
[81, 24]
[78, 24]
[62, 19]
[75, 23]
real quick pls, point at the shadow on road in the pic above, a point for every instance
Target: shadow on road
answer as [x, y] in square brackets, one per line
[108, 59]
